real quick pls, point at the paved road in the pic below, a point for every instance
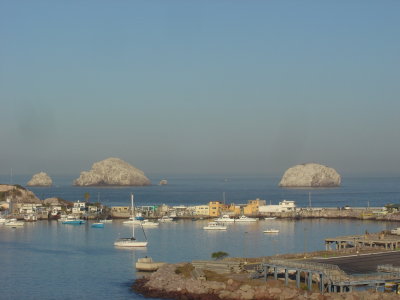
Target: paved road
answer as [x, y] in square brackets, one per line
[363, 263]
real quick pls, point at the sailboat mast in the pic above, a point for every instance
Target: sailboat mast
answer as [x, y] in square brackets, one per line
[133, 216]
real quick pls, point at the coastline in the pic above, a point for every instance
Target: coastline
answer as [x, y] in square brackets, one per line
[168, 283]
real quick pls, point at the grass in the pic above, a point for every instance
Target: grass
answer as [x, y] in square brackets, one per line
[185, 270]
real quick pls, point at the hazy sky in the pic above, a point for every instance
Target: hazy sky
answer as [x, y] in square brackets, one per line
[235, 87]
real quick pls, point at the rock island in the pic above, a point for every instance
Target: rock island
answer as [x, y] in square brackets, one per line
[112, 172]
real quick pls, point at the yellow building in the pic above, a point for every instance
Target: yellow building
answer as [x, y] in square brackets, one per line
[231, 209]
[252, 206]
[215, 208]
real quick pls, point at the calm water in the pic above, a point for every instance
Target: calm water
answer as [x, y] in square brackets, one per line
[47, 260]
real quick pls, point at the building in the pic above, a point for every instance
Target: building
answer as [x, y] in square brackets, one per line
[202, 210]
[215, 208]
[283, 206]
[79, 207]
[252, 207]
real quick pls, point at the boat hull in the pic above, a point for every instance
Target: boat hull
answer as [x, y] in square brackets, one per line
[129, 243]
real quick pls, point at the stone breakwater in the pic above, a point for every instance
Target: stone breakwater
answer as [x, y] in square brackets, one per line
[166, 283]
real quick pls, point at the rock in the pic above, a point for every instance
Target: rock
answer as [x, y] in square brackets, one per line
[310, 175]
[112, 171]
[17, 194]
[40, 179]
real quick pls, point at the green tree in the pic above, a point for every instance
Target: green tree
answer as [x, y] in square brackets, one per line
[219, 255]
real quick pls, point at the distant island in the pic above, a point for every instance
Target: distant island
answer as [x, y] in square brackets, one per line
[40, 179]
[112, 172]
[310, 175]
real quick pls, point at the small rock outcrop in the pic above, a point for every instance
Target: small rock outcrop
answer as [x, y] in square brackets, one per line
[40, 179]
[310, 175]
[112, 171]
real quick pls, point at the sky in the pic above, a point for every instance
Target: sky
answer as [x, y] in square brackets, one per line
[200, 87]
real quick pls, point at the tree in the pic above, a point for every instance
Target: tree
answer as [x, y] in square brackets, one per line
[219, 255]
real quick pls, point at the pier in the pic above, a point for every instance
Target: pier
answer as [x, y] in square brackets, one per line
[329, 276]
[376, 240]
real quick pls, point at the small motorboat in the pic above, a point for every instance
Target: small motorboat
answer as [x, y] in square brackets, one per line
[71, 220]
[147, 223]
[225, 219]
[214, 226]
[165, 219]
[271, 230]
[14, 223]
[98, 225]
[243, 218]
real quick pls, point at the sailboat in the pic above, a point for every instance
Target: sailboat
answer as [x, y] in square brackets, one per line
[132, 218]
[130, 241]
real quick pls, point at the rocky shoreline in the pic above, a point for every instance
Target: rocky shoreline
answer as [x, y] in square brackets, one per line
[171, 283]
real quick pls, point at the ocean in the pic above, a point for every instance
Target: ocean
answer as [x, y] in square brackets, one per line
[48, 260]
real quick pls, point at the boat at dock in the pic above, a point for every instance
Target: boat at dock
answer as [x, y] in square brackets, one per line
[146, 264]
[214, 226]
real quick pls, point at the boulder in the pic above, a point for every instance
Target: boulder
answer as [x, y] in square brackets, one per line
[310, 175]
[112, 171]
[40, 179]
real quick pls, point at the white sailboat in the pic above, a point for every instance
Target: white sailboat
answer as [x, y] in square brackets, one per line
[131, 241]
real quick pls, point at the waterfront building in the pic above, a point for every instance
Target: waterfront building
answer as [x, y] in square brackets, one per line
[201, 210]
[79, 207]
[215, 208]
[252, 207]
[283, 206]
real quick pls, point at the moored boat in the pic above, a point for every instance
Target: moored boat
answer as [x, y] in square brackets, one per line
[147, 223]
[214, 226]
[271, 230]
[130, 242]
[225, 219]
[165, 219]
[243, 218]
[14, 223]
[98, 225]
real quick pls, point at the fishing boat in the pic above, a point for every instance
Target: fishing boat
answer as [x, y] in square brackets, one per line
[271, 230]
[243, 218]
[131, 242]
[214, 226]
[98, 225]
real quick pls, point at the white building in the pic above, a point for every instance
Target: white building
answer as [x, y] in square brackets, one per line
[79, 207]
[283, 206]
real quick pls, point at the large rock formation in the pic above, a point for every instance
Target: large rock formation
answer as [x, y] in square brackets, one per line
[112, 171]
[310, 175]
[40, 179]
[17, 194]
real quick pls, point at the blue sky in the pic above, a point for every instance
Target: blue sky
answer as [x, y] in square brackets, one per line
[230, 87]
